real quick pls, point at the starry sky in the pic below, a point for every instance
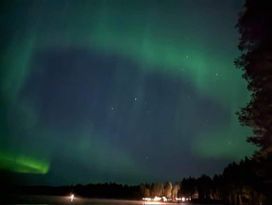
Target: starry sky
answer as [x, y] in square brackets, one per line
[119, 91]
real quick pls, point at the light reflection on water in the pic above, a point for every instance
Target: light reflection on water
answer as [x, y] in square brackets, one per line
[124, 202]
[79, 201]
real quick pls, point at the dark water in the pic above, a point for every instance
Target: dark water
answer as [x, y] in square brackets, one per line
[76, 200]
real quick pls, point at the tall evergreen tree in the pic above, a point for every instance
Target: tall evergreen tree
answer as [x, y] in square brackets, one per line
[255, 27]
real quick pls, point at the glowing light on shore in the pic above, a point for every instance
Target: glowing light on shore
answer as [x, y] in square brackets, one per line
[164, 198]
[72, 196]
[178, 199]
[156, 198]
[152, 202]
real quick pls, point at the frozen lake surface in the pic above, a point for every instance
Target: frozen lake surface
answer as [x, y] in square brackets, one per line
[77, 200]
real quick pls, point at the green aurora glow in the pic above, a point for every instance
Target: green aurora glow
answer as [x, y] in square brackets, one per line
[157, 35]
[23, 164]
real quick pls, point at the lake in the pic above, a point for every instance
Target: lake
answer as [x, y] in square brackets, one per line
[76, 200]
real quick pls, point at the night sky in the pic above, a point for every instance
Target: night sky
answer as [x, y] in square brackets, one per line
[124, 91]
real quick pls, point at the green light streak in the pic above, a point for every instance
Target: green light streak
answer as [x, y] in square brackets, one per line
[15, 72]
[23, 164]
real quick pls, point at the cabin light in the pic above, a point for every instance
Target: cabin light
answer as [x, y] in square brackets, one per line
[164, 198]
[72, 196]
[178, 199]
[146, 199]
[156, 198]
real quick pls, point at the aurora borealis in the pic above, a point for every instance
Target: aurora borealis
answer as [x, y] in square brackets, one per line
[125, 91]
[22, 164]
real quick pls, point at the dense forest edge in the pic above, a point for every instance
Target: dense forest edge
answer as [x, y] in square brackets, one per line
[238, 184]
